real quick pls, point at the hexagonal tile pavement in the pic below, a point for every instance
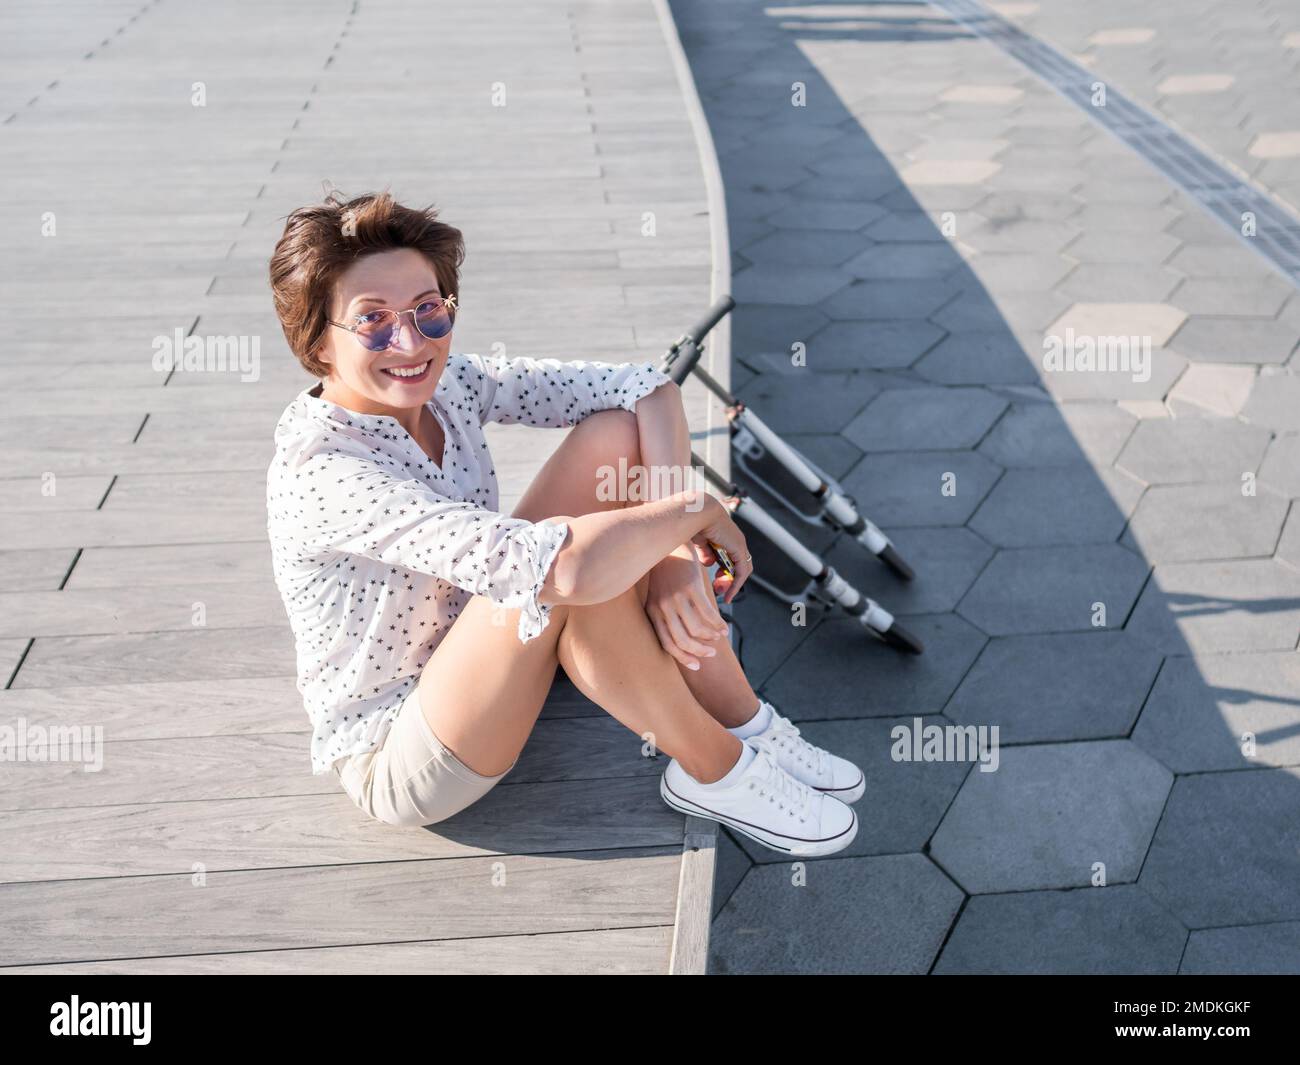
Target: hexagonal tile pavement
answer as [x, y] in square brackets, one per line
[972, 357]
[1195, 84]
[836, 215]
[1245, 950]
[1221, 390]
[1281, 468]
[909, 419]
[1094, 931]
[1111, 283]
[1284, 145]
[816, 248]
[1223, 297]
[921, 488]
[895, 261]
[1254, 340]
[1214, 607]
[1133, 375]
[1178, 450]
[953, 559]
[1228, 849]
[1064, 505]
[883, 300]
[1191, 522]
[878, 915]
[871, 345]
[1054, 589]
[775, 283]
[1048, 688]
[808, 402]
[1219, 712]
[1156, 321]
[1043, 434]
[1274, 401]
[999, 835]
[823, 678]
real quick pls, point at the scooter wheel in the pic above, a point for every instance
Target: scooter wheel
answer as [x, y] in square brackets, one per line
[894, 561]
[901, 640]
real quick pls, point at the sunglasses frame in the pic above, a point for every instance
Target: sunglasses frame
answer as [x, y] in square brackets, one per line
[448, 302]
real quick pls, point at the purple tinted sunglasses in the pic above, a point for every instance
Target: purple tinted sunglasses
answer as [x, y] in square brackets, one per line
[376, 329]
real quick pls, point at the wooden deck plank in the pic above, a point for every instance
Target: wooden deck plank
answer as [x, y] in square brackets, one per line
[151, 838]
[205, 912]
[96, 771]
[605, 952]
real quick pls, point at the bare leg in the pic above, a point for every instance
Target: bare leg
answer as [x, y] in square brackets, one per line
[566, 484]
[612, 654]
[482, 690]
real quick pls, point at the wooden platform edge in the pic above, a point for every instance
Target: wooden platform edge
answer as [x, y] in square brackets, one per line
[690, 951]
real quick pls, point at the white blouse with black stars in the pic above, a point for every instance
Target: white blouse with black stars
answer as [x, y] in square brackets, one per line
[376, 549]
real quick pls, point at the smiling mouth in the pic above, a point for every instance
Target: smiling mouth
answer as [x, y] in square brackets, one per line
[414, 372]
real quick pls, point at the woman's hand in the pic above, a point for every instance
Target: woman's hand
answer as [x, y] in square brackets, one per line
[726, 534]
[679, 605]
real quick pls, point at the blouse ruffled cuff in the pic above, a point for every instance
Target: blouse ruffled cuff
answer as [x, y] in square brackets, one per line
[642, 383]
[535, 616]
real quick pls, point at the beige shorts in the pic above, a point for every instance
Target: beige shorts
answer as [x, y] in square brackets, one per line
[411, 779]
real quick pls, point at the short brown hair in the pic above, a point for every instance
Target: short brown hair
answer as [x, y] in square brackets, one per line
[322, 241]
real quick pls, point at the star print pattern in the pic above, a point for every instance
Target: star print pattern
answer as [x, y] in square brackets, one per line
[376, 549]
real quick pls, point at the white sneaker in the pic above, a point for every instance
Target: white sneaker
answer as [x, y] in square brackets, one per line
[766, 804]
[815, 766]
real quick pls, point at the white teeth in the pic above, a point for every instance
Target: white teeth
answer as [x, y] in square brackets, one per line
[413, 372]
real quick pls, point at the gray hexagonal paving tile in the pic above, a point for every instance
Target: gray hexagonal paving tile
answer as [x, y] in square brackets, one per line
[1064, 505]
[1274, 401]
[1016, 271]
[1195, 522]
[857, 915]
[1179, 450]
[1147, 376]
[1250, 340]
[906, 226]
[871, 345]
[1120, 282]
[1069, 686]
[1043, 434]
[757, 327]
[835, 215]
[895, 261]
[1054, 589]
[1116, 246]
[906, 419]
[804, 248]
[1245, 950]
[953, 558]
[888, 299]
[1228, 297]
[978, 358]
[921, 488]
[1091, 931]
[999, 834]
[1281, 466]
[1213, 607]
[824, 676]
[776, 283]
[808, 402]
[1228, 849]
[1288, 545]
[1202, 712]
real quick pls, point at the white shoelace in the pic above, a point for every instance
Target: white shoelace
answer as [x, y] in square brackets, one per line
[779, 785]
[784, 734]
